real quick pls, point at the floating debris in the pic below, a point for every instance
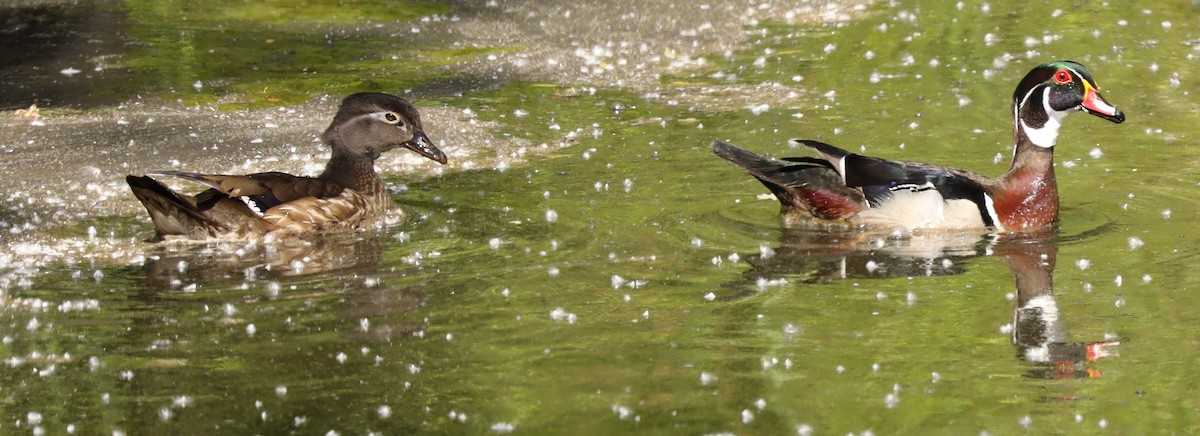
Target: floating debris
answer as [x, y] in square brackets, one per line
[503, 427]
[560, 314]
[891, 400]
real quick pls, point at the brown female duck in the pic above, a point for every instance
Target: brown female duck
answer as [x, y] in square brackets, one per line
[347, 194]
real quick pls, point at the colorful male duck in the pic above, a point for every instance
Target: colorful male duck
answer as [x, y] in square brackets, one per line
[844, 186]
[347, 193]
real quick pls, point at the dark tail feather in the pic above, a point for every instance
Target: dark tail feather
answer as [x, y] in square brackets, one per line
[804, 184]
[860, 171]
[195, 177]
[781, 178]
[172, 214]
[757, 165]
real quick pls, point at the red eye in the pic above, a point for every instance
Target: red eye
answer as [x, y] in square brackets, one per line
[1062, 77]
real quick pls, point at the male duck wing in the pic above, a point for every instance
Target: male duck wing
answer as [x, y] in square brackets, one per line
[876, 177]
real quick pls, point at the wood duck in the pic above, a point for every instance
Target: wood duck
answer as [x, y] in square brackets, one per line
[843, 186]
[346, 194]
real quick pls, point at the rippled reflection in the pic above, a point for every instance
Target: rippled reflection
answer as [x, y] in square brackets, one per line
[173, 266]
[1039, 330]
[818, 254]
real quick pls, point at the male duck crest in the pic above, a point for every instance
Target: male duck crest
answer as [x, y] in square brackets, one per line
[347, 193]
[844, 186]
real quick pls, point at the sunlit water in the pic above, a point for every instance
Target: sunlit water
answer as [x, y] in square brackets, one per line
[634, 282]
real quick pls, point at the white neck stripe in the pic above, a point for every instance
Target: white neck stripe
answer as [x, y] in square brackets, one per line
[1046, 135]
[991, 210]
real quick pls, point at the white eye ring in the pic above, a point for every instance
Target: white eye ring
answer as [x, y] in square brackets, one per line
[388, 117]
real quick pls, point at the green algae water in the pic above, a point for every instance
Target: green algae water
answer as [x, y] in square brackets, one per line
[626, 280]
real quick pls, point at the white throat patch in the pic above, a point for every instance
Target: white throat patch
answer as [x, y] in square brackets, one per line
[1045, 136]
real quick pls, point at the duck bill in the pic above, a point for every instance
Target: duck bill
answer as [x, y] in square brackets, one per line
[1094, 103]
[423, 146]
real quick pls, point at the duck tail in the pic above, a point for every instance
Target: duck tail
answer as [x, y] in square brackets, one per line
[807, 185]
[781, 178]
[173, 214]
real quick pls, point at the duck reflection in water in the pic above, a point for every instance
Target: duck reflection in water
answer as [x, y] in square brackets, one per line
[171, 266]
[350, 261]
[1039, 332]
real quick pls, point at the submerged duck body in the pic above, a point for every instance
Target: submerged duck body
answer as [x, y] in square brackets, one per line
[346, 194]
[843, 186]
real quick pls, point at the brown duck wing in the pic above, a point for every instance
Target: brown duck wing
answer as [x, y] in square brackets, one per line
[263, 190]
[209, 214]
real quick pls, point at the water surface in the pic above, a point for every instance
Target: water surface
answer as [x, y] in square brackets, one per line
[633, 282]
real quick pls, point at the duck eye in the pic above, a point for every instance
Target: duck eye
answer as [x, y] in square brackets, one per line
[391, 118]
[1062, 77]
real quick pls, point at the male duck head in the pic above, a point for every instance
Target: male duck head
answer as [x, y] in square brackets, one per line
[1052, 91]
[370, 123]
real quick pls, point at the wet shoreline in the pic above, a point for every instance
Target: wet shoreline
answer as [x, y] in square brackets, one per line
[71, 163]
